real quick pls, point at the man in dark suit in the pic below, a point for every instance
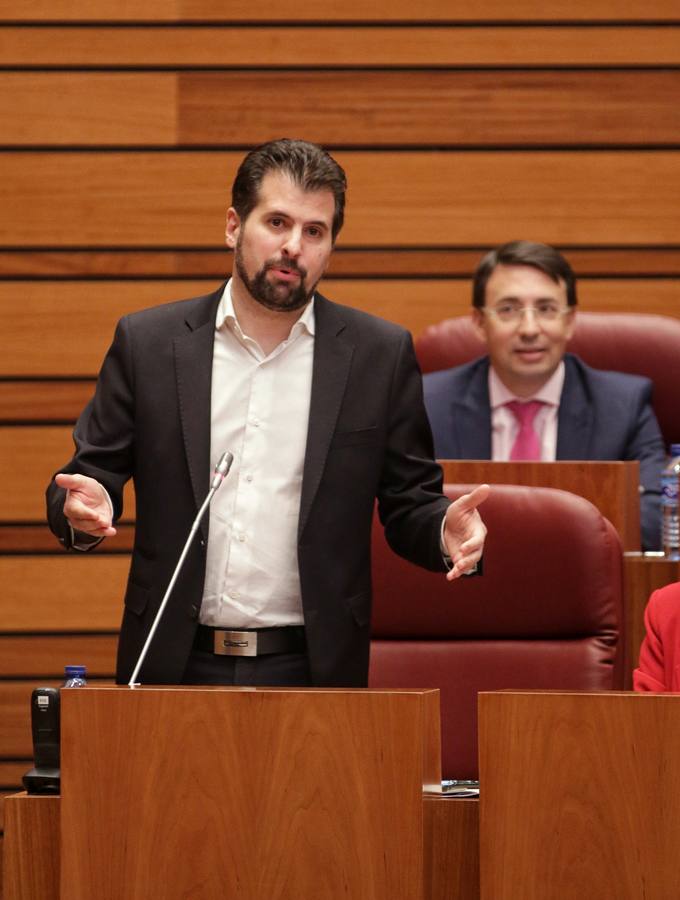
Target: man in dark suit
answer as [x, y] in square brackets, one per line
[321, 406]
[528, 399]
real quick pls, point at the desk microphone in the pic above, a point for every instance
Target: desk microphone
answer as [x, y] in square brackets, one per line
[44, 778]
[220, 473]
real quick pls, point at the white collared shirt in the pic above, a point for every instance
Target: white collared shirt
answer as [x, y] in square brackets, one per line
[260, 412]
[504, 424]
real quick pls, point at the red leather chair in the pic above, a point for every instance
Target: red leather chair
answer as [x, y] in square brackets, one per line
[546, 613]
[625, 342]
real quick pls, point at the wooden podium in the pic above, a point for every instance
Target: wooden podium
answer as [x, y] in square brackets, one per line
[580, 796]
[245, 793]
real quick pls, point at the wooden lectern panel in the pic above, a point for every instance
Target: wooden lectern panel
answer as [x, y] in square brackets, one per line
[580, 796]
[450, 831]
[31, 851]
[245, 793]
[451, 848]
[613, 487]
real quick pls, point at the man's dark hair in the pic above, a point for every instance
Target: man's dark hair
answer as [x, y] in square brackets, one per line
[524, 253]
[307, 165]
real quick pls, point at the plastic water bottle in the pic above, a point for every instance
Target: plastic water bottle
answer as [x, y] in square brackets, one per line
[74, 676]
[670, 500]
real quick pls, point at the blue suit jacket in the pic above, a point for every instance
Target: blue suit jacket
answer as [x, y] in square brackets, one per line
[602, 415]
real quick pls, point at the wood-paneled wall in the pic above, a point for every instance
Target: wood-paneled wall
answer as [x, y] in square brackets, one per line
[460, 126]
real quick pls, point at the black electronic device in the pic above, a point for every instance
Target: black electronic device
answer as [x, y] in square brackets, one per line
[44, 777]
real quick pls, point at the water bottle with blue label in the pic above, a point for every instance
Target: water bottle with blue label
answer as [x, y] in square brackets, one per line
[75, 676]
[670, 501]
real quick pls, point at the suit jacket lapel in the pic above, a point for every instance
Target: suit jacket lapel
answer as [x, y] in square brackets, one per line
[193, 369]
[333, 353]
[472, 417]
[575, 416]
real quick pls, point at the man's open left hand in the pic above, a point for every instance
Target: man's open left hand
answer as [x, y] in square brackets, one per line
[464, 531]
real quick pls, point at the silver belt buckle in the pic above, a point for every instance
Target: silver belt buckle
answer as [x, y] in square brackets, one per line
[235, 643]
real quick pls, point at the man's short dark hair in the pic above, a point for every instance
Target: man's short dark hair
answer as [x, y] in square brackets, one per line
[524, 253]
[307, 165]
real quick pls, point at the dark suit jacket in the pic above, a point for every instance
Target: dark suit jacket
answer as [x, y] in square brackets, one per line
[368, 437]
[602, 415]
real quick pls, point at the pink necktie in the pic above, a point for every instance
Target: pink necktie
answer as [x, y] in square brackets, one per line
[527, 444]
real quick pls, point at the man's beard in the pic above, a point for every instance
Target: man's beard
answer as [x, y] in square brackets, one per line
[280, 297]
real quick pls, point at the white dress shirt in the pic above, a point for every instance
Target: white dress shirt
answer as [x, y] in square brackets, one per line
[504, 424]
[260, 412]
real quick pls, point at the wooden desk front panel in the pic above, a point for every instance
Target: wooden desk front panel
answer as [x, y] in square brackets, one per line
[294, 795]
[581, 796]
[450, 839]
[31, 848]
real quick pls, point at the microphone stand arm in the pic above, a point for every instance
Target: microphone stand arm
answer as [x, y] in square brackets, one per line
[221, 469]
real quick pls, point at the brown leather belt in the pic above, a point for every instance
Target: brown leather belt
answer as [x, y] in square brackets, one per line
[253, 642]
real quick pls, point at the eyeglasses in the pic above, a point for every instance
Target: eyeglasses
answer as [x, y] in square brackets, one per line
[513, 313]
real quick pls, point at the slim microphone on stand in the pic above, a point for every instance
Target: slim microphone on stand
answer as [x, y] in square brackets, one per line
[220, 473]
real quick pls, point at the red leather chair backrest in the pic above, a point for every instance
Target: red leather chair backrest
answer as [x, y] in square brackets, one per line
[449, 343]
[546, 613]
[625, 342]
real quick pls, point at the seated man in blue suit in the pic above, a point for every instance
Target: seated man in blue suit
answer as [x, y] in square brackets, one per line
[528, 399]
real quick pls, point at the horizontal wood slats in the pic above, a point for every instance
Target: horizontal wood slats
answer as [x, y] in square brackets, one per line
[329, 46]
[46, 655]
[11, 772]
[30, 457]
[431, 108]
[391, 109]
[80, 316]
[337, 10]
[434, 198]
[45, 401]
[59, 108]
[29, 538]
[345, 262]
[65, 593]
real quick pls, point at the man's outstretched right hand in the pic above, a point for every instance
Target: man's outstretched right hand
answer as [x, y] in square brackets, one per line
[87, 505]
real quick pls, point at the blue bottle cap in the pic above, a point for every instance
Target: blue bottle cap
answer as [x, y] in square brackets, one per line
[675, 449]
[74, 670]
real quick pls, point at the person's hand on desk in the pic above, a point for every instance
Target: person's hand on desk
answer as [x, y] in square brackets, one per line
[464, 531]
[87, 506]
